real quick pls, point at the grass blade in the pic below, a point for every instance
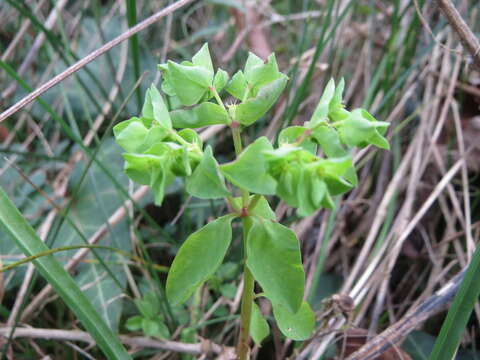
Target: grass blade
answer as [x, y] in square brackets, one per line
[459, 313]
[132, 21]
[30, 244]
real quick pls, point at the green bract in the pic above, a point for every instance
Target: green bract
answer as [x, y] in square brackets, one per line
[249, 170]
[311, 164]
[258, 87]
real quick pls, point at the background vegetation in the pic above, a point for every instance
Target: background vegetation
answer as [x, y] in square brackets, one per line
[405, 232]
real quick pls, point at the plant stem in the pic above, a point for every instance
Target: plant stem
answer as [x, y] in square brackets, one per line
[237, 143]
[248, 281]
[247, 301]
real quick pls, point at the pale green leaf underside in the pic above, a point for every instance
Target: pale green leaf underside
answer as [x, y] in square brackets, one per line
[198, 259]
[273, 257]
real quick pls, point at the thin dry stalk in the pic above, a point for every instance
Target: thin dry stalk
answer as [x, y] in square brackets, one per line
[415, 317]
[92, 56]
[204, 347]
[467, 37]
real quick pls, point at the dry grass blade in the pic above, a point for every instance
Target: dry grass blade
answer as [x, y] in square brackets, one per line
[135, 342]
[395, 333]
[92, 56]
[467, 37]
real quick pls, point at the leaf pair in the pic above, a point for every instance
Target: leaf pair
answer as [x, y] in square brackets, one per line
[191, 82]
[304, 180]
[294, 173]
[203, 252]
[355, 128]
[155, 152]
[273, 257]
[257, 87]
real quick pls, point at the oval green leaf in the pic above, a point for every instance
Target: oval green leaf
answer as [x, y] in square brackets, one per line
[254, 108]
[206, 181]
[273, 257]
[296, 326]
[249, 170]
[198, 259]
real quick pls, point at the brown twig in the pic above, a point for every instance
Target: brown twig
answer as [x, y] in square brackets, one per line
[415, 317]
[467, 37]
[134, 341]
[92, 56]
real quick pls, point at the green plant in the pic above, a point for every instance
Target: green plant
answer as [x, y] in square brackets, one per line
[156, 153]
[150, 319]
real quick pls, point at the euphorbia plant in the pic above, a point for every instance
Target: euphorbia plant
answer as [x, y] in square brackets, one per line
[309, 165]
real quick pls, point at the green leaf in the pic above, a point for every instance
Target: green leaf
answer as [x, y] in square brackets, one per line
[202, 58]
[138, 134]
[207, 182]
[292, 134]
[155, 328]
[334, 167]
[329, 141]
[253, 61]
[220, 80]
[259, 74]
[295, 325]
[130, 134]
[237, 86]
[206, 113]
[273, 257]
[300, 176]
[459, 313]
[166, 87]
[191, 137]
[147, 307]
[152, 170]
[143, 168]
[198, 259]
[155, 108]
[254, 108]
[360, 128]
[30, 244]
[337, 97]
[134, 323]
[321, 111]
[228, 290]
[288, 184]
[311, 193]
[337, 110]
[379, 141]
[249, 170]
[189, 82]
[259, 328]
[262, 207]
